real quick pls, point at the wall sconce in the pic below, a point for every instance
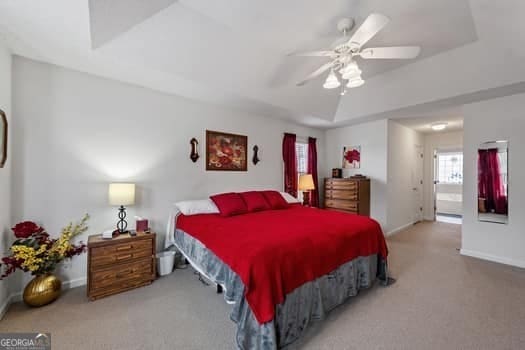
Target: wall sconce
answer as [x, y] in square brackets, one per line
[194, 154]
[255, 158]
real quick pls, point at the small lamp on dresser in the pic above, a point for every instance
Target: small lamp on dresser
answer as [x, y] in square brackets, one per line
[306, 184]
[121, 194]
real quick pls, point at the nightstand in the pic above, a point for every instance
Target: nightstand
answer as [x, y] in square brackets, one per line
[119, 264]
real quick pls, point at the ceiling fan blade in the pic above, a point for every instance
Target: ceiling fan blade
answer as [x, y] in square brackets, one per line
[370, 27]
[313, 53]
[395, 52]
[317, 72]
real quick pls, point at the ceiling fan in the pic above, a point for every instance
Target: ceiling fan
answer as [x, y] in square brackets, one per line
[342, 56]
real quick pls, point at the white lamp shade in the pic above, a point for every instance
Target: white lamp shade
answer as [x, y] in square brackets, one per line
[331, 81]
[350, 71]
[306, 183]
[121, 194]
[355, 82]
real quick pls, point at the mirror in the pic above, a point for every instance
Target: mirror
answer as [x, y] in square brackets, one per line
[493, 203]
[3, 138]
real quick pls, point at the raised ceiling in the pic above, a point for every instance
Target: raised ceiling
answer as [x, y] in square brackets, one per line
[234, 52]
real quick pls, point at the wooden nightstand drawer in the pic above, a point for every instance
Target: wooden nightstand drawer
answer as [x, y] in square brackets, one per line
[102, 256]
[139, 269]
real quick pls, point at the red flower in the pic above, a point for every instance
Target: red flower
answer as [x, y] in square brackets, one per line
[225, 160]
[352, 155]
[26, 229]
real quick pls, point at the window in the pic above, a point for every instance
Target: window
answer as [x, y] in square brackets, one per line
[450, 168]
[301, 153]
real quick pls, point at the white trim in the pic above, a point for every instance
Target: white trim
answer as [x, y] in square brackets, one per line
[399, 229]
[493, 258]
[17, 296]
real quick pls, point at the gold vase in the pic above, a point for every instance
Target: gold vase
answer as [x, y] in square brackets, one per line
[42, 290]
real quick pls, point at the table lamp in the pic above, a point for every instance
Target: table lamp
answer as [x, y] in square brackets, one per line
[120, 195]
[306, 184]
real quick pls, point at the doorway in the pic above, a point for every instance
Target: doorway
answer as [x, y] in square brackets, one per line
[448, 185]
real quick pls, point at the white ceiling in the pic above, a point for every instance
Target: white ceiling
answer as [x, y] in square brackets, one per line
[234, 52]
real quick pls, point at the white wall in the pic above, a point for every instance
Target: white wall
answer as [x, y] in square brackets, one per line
[372, 137]
[433, 141]
[5, 172]
[75, 133]
[497, 119]
[402, 142]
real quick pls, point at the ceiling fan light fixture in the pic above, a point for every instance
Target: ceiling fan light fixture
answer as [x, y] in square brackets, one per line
[350, 71]
[355, 82]
[331, 81]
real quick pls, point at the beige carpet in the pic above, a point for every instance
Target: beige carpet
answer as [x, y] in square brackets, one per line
[441, 301]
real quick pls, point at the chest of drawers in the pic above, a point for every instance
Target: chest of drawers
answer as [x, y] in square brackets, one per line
[119, 264]
[349, 195]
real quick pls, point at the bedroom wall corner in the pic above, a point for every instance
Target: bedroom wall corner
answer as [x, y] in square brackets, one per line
[5, 172]
[492, 120]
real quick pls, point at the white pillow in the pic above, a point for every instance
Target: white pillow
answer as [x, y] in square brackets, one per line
[289, 198]
[201, 206]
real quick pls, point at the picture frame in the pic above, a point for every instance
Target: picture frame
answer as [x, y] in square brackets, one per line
[226, 152]
[351, 157]
[3, 138]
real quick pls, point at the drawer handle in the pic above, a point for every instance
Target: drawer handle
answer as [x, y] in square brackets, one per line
[122, 257]
[124, 273]
[128, 247]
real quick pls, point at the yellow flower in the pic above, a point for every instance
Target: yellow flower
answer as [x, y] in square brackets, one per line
[29, 255]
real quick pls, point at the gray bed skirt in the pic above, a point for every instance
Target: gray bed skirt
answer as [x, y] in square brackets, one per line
[306, 304]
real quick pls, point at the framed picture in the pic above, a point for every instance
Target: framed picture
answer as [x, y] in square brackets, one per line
[226, 151]
[352, 157]
[3, 138]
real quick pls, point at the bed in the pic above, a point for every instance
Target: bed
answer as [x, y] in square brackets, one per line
[281, 269]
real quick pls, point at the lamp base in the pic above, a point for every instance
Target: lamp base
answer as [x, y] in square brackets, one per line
[122, 224]
[306, 198]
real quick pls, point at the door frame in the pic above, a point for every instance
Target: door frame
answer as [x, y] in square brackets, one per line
[435, 180]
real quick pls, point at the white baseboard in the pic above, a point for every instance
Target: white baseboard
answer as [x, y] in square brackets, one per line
[17, 296]
[493, 258]
[399, 229]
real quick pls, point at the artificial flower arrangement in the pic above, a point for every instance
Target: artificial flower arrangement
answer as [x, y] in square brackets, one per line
[34, 251]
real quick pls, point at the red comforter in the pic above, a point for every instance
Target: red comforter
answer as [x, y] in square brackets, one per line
[276, 251]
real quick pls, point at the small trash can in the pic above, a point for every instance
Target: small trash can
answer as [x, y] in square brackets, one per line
[165, 262]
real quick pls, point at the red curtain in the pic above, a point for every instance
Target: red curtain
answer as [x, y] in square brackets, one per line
[490, 186]
[290, 164]
[312, 169]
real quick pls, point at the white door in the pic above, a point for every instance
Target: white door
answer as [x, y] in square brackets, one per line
[417, 183]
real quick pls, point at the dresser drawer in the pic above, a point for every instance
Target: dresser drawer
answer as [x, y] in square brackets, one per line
[342, 204]
[342, 194]
[341, 185]
[139, 270]
[108, 255]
